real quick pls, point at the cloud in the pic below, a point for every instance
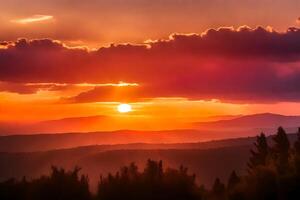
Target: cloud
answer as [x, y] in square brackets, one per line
[249, 65]
[32, 19]
[31, 88]
[16, 88]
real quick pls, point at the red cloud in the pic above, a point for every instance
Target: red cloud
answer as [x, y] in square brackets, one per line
[244, 64]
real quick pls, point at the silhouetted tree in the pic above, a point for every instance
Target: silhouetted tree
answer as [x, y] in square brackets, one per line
[218, 189]
[233, 180]
[152, 183]
[261, 184]
[297, 153]
[153, 170]
[63, 185]
[297, 142]
[260, 154]
[59, 185]
[280, 150]
[233, 187]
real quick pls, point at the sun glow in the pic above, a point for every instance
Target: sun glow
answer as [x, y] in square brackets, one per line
[124, 108]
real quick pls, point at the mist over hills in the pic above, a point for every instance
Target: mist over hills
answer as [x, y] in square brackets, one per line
[243, 126]
[204, 151]
[248, 123]
[72, 124]
[205, 159]
[94, 161]
[27, 143]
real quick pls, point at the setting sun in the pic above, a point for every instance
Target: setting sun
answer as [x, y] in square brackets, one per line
[124, 108]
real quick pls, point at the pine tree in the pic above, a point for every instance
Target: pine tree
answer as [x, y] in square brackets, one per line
[281, 150]
[218, 189]
[297, 152]
[297, 143]
[260, 154]
[233, 180]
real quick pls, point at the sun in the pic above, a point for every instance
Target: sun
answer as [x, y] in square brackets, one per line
[124, 108]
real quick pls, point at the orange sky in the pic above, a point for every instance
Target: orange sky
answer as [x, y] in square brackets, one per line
[45, 105]
[176, 63]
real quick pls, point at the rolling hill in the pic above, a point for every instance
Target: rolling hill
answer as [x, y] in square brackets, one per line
[205, 159]
[43, 142]
[263, 121]
[244, 126]
[205, 163]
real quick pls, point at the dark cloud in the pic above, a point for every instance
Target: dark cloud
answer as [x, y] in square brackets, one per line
[237, 65]
[17, 88]
[109, 94]
[30, 88]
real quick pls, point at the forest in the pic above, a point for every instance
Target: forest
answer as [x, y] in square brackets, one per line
[273, 172]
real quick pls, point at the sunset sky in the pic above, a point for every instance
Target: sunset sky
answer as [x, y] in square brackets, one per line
[173, 61]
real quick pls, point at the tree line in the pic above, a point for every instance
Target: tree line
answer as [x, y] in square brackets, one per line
[273, 172]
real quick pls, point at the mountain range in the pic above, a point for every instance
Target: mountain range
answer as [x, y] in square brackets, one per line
[242, 126]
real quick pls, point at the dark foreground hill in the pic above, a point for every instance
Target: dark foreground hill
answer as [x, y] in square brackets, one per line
[205, 163]
[272, 172]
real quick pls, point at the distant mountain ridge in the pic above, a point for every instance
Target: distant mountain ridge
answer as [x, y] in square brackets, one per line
[244, 126]
[72, 124]
[249, 123]
[255, 121]
[27, 143]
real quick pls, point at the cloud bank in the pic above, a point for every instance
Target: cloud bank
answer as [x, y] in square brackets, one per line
[249, 65]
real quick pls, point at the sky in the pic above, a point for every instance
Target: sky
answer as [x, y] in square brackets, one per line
[173, 61]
